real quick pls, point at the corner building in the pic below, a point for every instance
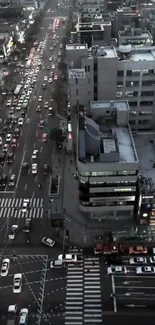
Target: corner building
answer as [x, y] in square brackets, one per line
[107, 161]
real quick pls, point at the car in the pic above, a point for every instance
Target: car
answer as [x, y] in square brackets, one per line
[38, 109]
[16, 133]
[25, 168]
[48, 241]
[55, 77]
[41, 124]
[27, 225]
[145, 270]
[34, 169]
[5, 267]
[10, 158]
[51, 48]
[9, 102]
[8, 138]
[14, 143]
[12, 180]
[113, 260]
[48, 68]
[5, 148]
[2, 158]
[23, 316]
[45, 78]
[13, 232]
[11, 111]
[18, 107]
[68, 258]
[53, 66]
[35, 154]
[50, 59]
[20, 121]
[116, 270]
[25, 206]
[138, 250]
[50, 80]
[40, 98]
[44, 86]
[17, 283]
[1, 141]
[46, 169]
[138, 260]
[3, 180]
[152, 259]
[46, 105]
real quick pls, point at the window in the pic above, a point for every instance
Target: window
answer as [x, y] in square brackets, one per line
[95, 78]
[88, 68]
[132, 83]
[76, 81]
[148, 72]
[146, 103]
[133, 113]
[120, 73]
[85, 68]
[119, 84]
[132, 104]
[77, 102]
[89, 81]
[127, 172]
[148, 83]
[89, 92]
[133, 73]
[131, 93]
[145, 113]
[147, 93]
[119, 94]
[142, 122]
[77, 92]
[129, 73]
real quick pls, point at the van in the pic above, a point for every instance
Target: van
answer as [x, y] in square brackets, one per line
[56, 264]
[44, 137]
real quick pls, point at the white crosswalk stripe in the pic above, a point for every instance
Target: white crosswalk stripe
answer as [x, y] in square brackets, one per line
[74, 292]
[92, 308]
[12, 208]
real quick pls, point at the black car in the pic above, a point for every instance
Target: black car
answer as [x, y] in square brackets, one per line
[9, 120]
[22, 114]
[25, 168]
[10, 157]
[2, 158]
[3, 180]
[27, 225]
[16, 133]
[4, 130]
[46, 169]
[113, 260]
[44, 86]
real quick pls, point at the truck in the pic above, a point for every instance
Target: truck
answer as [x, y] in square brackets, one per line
[12, 315]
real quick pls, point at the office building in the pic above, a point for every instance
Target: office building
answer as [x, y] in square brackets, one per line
[126, 16]
[107, 73]
[107, 161]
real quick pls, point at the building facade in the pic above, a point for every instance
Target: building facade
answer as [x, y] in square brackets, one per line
[107, 73]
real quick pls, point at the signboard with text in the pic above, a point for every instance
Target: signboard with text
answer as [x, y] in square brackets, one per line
[76, 73]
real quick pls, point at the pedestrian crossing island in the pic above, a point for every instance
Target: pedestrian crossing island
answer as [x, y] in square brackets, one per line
[12, 208]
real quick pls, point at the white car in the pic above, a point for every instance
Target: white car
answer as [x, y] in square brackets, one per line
[18, 107]
[35, 154]
[138, 260]
[153, 250]
[50, 80]
[5, 267]
[8, 138]
[17, 283]
[34, 169]
[9, 102]
[53, 66]
[50, 59]
[48, 241]
[45, 78]
[152, 259]
[40, 98]
[20, 121]
[145, 270]
[68, 258]
[26, 203]
[23, 316]
[116, 270]
[13, 232]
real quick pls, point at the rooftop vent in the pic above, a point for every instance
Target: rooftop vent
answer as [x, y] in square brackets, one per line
[125, 49]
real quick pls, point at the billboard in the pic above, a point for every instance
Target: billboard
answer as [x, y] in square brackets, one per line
[76, 73]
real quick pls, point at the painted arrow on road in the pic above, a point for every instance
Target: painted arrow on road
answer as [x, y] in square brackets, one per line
[128, 282]
[134, 306]
[133, 293]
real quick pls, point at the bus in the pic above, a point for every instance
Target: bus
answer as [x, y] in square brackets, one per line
[17, 90]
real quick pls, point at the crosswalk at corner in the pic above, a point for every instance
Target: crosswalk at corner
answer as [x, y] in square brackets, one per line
[83, 293]
[12, 208]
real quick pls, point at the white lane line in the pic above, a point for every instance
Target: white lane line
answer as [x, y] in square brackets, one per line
[114, 292]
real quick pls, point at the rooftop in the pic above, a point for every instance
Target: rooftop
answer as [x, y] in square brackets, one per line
[106, 137]
[103, 51]
[145, 143]
[134, 32]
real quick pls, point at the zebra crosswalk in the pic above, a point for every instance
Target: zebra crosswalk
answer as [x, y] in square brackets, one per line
[83, 292]
[12, 208]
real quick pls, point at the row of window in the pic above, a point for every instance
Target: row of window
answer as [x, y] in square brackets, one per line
[140, 122]
[110, 173]
[107, 184]
[121, 73]
[142, 113]
[145, 83]
[104, 204]
[134, 94]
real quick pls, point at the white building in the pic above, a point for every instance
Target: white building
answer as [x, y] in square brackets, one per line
[107, 73]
